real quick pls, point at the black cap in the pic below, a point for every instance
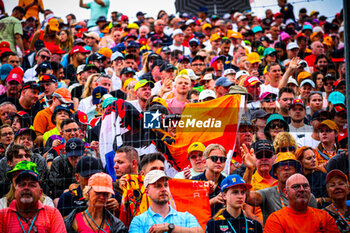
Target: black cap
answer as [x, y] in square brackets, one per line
[157, 62]
[91, 67]
[39, 44]
[263, 148]
[26, 131]
[101, 19]
[133, 44]
[321, 115]
[30, 84]
[75, 147]
[167, 66]
[166, 49]
[259, 114]
[45, 65]
[96, 57]
[329, 76]
[127, 70]
[267, 39]
[198, 57]
[140, 13]
[88, 166]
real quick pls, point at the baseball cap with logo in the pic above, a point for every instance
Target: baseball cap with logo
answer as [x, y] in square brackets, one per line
[153, 176]
[232, 181]
[80, 117]
[127, 70]
[75, 147]
[206, 94]
[78, 49]
[63, 94]
[142, 83]
[101, 182]
[26, 131]
[47, 78]
[251, 81]
[297, 102]
[97, 94]
[30, 85]
[196, 146]
[14, 77]
[88, 166]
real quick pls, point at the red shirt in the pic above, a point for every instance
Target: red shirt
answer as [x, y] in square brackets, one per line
[48, 219]
[310, 60]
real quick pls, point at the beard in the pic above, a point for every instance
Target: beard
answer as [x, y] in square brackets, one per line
[161, 202]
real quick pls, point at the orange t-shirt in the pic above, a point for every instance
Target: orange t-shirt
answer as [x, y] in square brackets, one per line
[288, 220]
[258, 183]
[42, 121]
[32, 11]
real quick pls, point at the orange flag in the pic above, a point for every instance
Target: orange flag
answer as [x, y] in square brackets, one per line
[186, 195]
[214, 121]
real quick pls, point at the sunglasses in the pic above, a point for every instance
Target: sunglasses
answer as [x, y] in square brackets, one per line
[329, 84]
[215, 158]
[278, 125]
[45, 57]
[71, 130]
[269, 100]
[286, 149]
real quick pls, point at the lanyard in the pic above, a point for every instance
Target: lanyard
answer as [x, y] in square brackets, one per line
[96, 223]
[246, 225]
[341, 215]
[282, 202]
[31, 225]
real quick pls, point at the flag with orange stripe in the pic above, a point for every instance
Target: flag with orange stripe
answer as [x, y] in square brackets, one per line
[214, 121]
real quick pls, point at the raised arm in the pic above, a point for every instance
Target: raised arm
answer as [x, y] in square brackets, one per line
[100, 2]
[293, 65]
[83, 5]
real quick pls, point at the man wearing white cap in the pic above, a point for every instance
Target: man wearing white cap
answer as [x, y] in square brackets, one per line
[161, 217]
[292, 51]
[178, 39]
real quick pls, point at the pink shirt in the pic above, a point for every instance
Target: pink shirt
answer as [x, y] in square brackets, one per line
[48, 219]
[175, 106]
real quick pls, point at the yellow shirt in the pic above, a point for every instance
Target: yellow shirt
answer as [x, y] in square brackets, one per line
[258, 183]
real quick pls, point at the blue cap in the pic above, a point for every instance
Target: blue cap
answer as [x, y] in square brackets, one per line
[234, 180]
[120, 47]
[75, 147]
[336, 98]
[5, 69]
[223, 81]
[306, 27]
[133, 44]
[28, 173]
[97, 94]
[203, 9]
[195, 40]
[257, 29]
[273, 117]
[268, 51]
[45, 65]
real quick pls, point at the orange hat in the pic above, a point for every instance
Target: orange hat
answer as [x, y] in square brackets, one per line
[206, 25]
[105, 52]
[312, 36]
[63, 94]
[236, 35]
[101, 182]
[214, 37]
[53, 24]
[303, 75]
[253, 57]
[328, 41]
[330, 124]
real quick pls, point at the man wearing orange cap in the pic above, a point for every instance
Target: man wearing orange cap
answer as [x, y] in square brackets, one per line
[48, 35]
[42, 121]
[12, 29]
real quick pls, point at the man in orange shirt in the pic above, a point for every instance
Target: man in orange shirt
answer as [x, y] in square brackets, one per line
[42, 121]
[298, 216]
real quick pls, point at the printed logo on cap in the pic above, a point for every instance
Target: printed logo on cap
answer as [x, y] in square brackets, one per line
[73, 145]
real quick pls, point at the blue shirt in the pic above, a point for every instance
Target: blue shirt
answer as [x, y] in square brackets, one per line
[143, 222]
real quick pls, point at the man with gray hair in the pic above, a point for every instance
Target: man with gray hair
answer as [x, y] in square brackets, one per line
[298, 216]
[42, 55]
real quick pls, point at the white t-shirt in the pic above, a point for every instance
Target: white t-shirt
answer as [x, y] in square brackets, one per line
[186, 51]
[85, 105]
[302, 135]
[268, 88]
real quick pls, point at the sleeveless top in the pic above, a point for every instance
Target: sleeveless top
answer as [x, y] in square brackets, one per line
[83, 228]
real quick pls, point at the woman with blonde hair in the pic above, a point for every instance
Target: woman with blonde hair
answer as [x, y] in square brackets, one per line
[284, 142]
[96, 218]
[89, 85]
[66, 39]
